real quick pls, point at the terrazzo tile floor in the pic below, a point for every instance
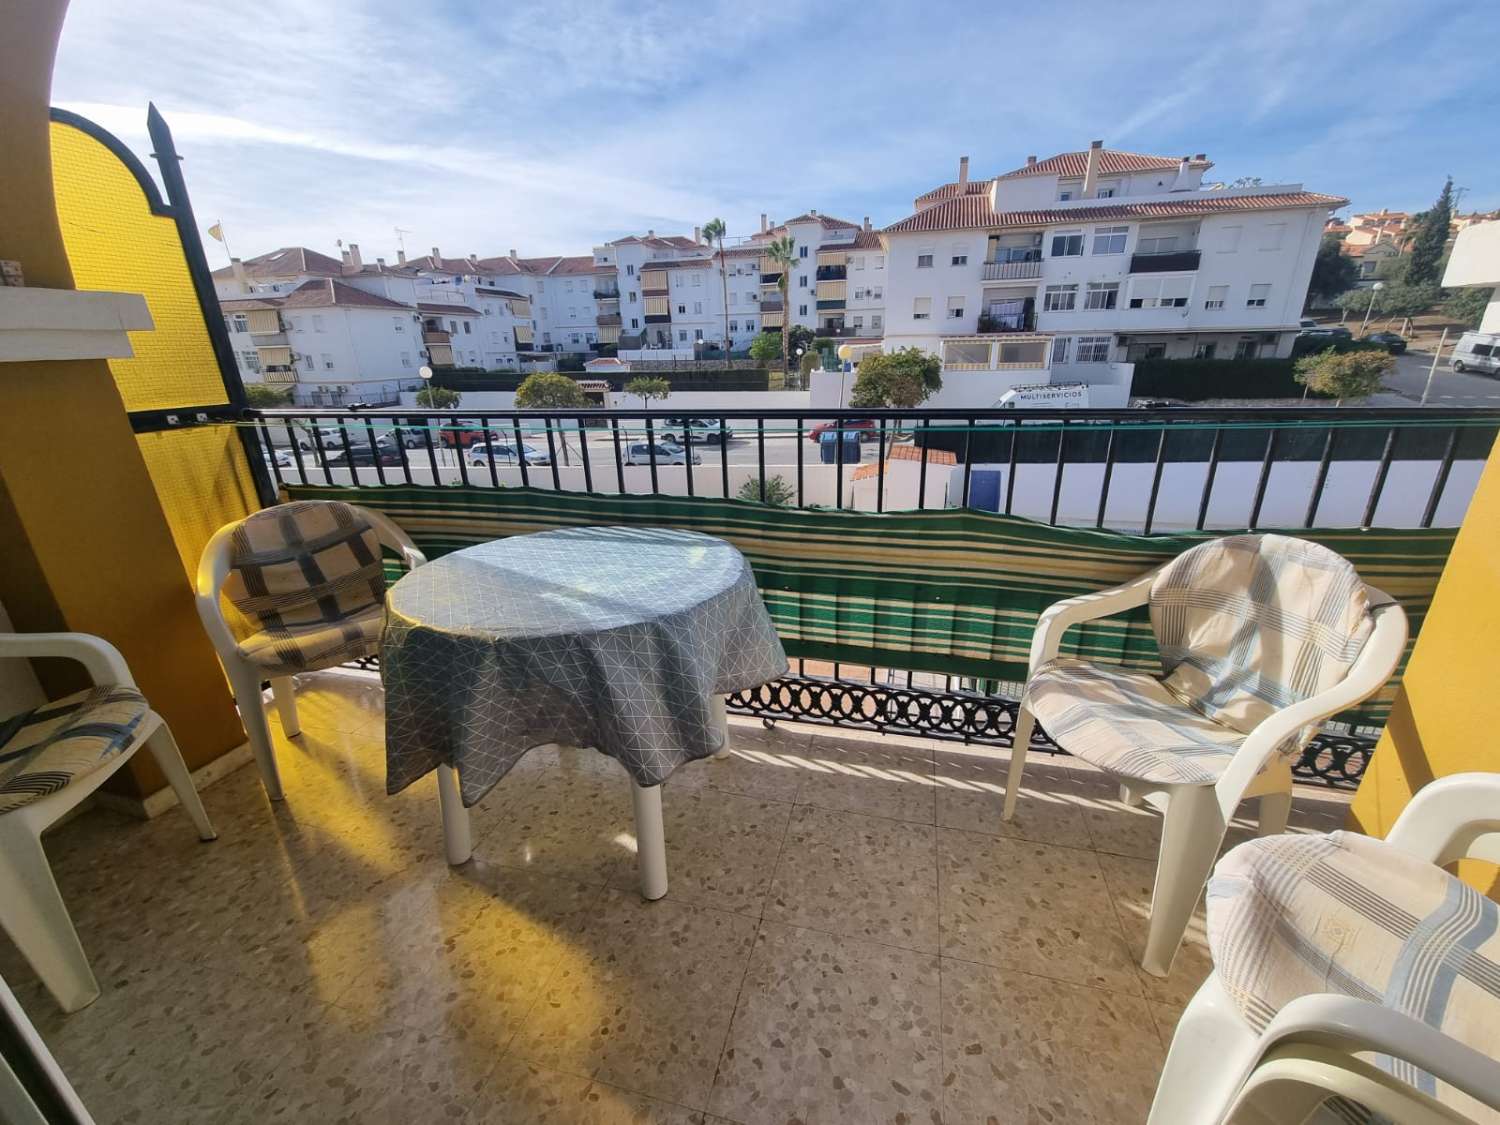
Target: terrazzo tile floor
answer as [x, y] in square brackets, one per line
[851, 935]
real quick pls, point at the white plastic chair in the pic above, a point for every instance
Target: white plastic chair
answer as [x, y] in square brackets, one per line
[273, 653]
[39, 786]
[1197, 812]
[1334, 1045]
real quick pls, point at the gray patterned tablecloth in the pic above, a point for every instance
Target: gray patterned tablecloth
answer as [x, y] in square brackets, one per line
[611, 637]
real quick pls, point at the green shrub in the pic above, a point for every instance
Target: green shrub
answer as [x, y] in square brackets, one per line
[779, 494]
[570, 362]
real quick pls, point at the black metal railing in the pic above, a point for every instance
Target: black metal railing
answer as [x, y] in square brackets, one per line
[832, 273]
[1136, 470]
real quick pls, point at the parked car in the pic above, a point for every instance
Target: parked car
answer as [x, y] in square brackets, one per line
[1478, 351]
[639, 453]
[695, 429]
[1331, 332]
[865, 427]
[461, 432]
[1307, 322]
[360, 453]
[502, 454]
[1394, 343]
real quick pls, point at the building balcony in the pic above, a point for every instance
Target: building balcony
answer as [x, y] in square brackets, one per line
[1173, 261]
[1007, 322]
[269, 339]
[770, 304]
[436, 336]
[655, 291]
[835, 303]
[770, 278]
[832, 273]
[279, 376]
[608, 318]
[658, 318]
[1011, 271]
[609, 294]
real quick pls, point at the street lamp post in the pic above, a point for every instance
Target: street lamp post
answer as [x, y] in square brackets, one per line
[1376, 288]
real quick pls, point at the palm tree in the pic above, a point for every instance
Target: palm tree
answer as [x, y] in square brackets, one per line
[784, 253]
[714, 231]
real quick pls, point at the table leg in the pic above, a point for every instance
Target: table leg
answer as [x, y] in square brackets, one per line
[721, 713]
[456, 836]
[650, 840]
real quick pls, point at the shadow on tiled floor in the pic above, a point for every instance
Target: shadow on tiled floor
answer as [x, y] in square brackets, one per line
[851, 935]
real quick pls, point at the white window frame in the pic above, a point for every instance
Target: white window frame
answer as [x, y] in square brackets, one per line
[1216, 302]
[1060, 348]
[921, 308]
[955, 312]
[1066, 298]
[1105, 238]
[1108, 293]
[1260, 293]
[1066, 236]
[924, 261]
[1092, 349]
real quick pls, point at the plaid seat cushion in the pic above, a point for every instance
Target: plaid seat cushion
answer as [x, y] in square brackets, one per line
[305, 648]
[309, 575]
[1128, 723]
[1250, 624]
[45, 749]
[1293, 915]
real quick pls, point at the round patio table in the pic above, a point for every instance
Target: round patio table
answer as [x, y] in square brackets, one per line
[624, 639]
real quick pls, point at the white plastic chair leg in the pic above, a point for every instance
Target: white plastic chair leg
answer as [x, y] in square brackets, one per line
[1190, 837]
[458, 838]
[1275, 809]
[164, 749]
[1210, 1051]
[252, 707]
[33, 914]
[286, 705]
[650, 840]
[1129, 797]
[721, 715]
[1020, 743]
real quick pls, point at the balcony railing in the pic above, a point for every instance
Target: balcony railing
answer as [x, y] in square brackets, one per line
[1145, 472]
[436, 336]
[1170, 261]
[658, 318]
[1007, 322]
[607, 318]
[1008, 271]
[832, 273]
[770, 278]
[606, 294]
[269, 339]
[279, 376]
[835, 303]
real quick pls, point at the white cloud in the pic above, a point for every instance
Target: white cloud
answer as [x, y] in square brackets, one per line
[547, 126]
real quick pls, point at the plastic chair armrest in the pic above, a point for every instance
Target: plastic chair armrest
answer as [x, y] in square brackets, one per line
[1057, 618]
[103, 662]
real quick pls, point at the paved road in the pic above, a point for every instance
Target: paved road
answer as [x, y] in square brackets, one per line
[1449, 388]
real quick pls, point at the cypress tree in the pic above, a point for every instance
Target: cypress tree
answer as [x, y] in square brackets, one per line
[1431, 239]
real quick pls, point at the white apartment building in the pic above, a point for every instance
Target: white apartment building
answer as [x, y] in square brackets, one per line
[836, 288]
[374, 328]
[1102, 256]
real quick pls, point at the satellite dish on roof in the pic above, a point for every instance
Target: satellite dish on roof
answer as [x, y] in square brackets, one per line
[425, 371]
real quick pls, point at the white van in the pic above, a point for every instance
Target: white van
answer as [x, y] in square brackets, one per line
[1478, 351]
[1046, 396]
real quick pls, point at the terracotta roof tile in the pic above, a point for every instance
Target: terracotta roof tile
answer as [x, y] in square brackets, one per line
[904, 453]
[440, 308]
[289, 261]
[1111, 162]
[864, 240]
[326, 293]
[974, 211]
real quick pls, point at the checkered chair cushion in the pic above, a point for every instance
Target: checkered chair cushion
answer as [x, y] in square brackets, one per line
[1128, 723]
[1246, 625]
[309, 575]
[1290, 916]
[50, 746]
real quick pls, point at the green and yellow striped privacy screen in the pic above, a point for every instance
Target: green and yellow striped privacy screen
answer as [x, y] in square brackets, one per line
[947, 590]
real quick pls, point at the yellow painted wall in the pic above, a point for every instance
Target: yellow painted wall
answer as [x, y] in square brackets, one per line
[1446, 717]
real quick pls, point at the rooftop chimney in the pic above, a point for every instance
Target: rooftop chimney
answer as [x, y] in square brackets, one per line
[963, 169]
[354, 258]
[650, 234]
[437, 256]
[812, 211]
[511, 254]
[867, 222]
[345, 255]
[380, 262]
[762, 222]
[697, 234]
[401, 257]
[239, 273]
[1031, 162]
[1200, 156]
[1181, 182]
[1091, 170]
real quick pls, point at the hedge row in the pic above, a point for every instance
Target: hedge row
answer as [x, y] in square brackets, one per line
[1193, 380]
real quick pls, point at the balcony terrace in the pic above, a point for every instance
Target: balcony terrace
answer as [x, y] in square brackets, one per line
[1165, 261]
[1005, 271]
[855, 936]
[852, 932]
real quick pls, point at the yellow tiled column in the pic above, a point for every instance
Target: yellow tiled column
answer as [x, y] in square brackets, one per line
[87, 546]
[1446, 718]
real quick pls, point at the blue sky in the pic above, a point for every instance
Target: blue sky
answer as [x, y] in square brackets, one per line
[550, 126]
